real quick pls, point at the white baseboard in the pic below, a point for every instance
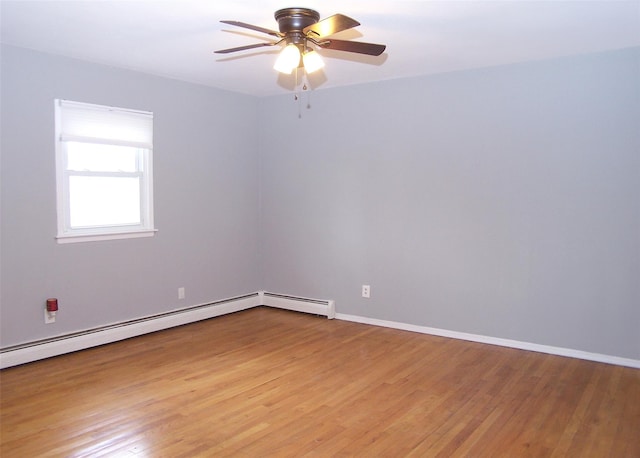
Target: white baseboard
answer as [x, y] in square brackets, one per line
[20, 354]
[33, 351]
[495, 341]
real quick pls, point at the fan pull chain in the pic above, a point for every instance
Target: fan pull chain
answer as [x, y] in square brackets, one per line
[308, 90]
[304, 88]
[296, 96]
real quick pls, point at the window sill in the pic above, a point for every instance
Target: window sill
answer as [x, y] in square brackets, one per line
[75, 238]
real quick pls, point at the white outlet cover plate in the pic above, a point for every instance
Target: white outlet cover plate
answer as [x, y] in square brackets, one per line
[48, 318]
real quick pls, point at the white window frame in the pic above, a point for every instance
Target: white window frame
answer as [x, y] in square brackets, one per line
[140, 140]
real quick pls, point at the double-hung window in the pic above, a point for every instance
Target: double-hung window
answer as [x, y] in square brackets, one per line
[103, 170]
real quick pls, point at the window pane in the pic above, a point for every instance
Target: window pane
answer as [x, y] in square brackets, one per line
[104, 201]
[101, 158]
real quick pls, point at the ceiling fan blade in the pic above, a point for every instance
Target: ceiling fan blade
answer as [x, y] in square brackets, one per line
[254, 27]
[243, 48]
[371, 49]
[329, 26]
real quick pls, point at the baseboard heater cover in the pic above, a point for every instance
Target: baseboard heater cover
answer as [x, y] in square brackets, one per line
[67, 343]
[299, 304]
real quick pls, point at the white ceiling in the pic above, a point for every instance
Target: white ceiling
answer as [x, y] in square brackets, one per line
[177, 38]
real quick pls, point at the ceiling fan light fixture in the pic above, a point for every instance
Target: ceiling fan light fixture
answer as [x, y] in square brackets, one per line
[298, 27]
[312, 61]
[288, 59]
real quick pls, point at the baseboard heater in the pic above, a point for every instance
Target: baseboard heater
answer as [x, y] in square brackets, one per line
[67, 343]
[299, 304]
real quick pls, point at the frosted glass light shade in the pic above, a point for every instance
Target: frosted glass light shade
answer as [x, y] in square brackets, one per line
[312, 61]
[288, 59]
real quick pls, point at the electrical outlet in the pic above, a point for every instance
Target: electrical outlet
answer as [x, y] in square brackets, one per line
[49, 317]
[181, 292]
[366, 291]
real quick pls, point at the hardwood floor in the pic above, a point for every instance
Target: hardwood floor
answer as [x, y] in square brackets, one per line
[267, 382]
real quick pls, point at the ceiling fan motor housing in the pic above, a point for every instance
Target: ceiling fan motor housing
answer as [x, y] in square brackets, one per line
[295, 19]
[291, 22]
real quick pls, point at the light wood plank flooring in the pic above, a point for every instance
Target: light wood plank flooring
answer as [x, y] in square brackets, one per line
[267, 382]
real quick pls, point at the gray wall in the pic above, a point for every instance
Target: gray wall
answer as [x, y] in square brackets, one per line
[206, 200]
[503, 202]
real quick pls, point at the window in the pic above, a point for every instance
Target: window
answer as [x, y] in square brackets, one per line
[103, 171]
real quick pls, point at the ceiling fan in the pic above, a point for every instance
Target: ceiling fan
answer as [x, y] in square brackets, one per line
[298, 29]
